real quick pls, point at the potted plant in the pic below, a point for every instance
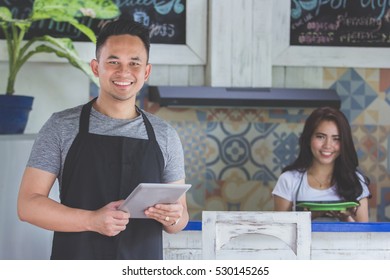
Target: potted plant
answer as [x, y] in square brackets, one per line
[21, 50]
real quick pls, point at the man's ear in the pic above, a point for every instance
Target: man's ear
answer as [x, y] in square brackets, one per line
[94, 67]
[148, 70]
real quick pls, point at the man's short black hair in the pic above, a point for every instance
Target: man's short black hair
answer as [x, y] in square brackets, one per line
[123, 26]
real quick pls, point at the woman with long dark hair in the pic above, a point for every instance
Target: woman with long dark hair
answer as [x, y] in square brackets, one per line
[326, 169]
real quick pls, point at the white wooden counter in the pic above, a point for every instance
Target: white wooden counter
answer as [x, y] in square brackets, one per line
[335, 241]
[350, 241]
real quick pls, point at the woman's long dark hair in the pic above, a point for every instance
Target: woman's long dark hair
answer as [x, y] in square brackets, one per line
[346, 165]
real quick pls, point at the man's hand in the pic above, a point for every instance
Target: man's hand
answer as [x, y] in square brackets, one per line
[167, 214]
[108, 220]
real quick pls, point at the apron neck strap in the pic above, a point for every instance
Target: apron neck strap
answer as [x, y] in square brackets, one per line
[84, 118]
[148, 125]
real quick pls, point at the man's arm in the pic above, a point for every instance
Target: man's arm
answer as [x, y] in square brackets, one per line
[35, 207]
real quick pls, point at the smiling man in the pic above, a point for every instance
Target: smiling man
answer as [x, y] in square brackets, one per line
[100, 152]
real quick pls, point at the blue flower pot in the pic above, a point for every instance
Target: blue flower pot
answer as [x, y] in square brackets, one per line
[14, 111]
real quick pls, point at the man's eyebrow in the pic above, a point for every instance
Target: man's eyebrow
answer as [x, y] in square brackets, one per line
[136, 58]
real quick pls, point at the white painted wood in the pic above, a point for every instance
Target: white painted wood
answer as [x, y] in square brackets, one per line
[159, 75]
[219, 66]
[280, 28]
[194, 52]
[196, 76]
[178, 75]
[304, 77]
[253, 235]
[184, 245]
[350, 254]
[284, 54]
[350, 245]
[262, 42]
[196, 31]
[278, 76]
[239, 43]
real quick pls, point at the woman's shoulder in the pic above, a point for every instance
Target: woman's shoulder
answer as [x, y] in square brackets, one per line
[360, 175]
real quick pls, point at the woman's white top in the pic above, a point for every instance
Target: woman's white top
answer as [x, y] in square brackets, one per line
[293, 186]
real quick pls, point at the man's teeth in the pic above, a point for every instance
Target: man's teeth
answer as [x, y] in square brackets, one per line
[122, 83]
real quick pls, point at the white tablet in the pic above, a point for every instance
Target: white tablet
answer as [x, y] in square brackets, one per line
[149, 194]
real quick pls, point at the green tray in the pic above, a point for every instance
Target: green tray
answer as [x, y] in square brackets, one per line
[335, 206]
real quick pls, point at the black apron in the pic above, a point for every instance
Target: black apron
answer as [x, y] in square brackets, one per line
[99, 169]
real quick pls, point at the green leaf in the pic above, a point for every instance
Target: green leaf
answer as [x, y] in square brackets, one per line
[103, 9]
[86, 30]
[5, 14]
[6, 18]
[68, 11]
[63, 47]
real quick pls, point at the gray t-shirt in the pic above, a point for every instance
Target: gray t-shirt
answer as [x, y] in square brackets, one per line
[56, 137]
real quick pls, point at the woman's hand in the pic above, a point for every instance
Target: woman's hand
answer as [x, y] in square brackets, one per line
[344, 216]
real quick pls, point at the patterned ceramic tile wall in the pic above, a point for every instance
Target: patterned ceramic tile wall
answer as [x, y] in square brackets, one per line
[234, 156]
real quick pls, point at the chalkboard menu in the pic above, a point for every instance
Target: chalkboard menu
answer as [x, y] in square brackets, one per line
[359, 23]
[166, 20]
